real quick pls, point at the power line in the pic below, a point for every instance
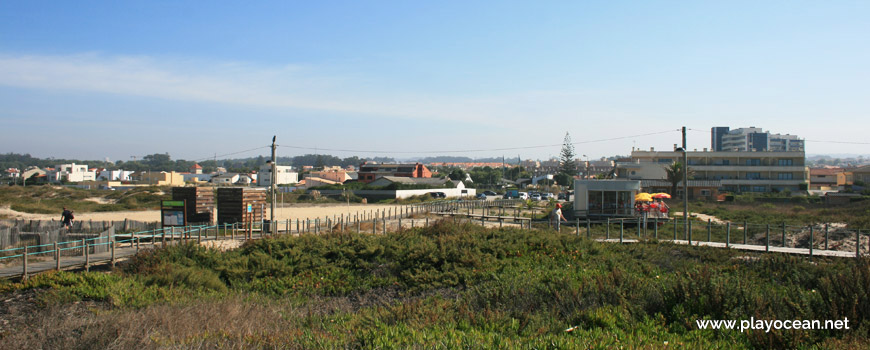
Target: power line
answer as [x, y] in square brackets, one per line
[477, 150]
[230, 154]
[845, 142]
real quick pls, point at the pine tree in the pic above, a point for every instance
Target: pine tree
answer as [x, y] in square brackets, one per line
[567, 164]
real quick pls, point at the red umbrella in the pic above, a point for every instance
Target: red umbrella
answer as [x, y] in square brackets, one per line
[661, 195]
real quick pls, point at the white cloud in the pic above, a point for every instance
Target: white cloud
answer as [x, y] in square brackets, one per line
[289, 86]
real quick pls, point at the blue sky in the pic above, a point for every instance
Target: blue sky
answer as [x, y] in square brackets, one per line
[91, 79]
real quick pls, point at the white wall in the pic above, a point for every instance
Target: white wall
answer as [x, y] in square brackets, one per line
[285, 175]
[450, 192]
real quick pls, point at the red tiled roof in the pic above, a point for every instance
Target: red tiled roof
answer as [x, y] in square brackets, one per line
[826, 171]
[196, 166]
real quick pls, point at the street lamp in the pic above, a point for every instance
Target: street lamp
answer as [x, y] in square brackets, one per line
[586, 173]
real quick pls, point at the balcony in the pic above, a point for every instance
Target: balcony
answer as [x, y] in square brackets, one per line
[759, 182]
[750, 168]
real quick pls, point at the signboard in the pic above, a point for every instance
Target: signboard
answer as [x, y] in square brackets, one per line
[172, 213]
[250, 208]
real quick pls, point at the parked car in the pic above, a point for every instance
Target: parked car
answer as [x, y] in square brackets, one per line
[546, 196]
[481, 196]
[490, 193]
[523, 195]
[563, 196]
[438, 194]
[535, 196]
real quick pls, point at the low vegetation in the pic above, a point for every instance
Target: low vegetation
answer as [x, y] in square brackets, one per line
[855, 215]
[52, 199]
[446, 286]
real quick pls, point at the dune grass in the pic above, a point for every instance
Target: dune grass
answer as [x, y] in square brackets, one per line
[446, 286]
[52, 199]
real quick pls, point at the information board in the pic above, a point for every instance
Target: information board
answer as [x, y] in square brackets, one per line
[172, 213]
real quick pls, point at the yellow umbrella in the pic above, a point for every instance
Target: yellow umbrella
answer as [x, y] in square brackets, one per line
[643, 197]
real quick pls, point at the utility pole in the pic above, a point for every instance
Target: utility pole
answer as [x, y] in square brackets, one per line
[274, 178]
[686, 187]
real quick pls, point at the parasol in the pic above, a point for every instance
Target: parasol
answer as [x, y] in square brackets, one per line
[643, 197]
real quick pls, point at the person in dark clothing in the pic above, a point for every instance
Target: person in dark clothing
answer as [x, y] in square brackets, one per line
[66, 218]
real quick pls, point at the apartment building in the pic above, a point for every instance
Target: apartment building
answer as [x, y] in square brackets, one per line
[737, 171]
[752, 138]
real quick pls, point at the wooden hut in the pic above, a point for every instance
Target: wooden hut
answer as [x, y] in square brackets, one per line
[233, 204]
[200, 203]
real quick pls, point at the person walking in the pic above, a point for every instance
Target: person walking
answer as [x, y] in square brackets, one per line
[66, 218]
[556, 217]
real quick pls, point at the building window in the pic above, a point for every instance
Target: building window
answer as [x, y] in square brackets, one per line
[726, 161]
[753, 176]
[785, 162]
[753, 162]
[705, 193]
[759, 189]
[785, 176]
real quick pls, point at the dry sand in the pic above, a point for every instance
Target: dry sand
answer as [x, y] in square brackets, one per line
[300, 211]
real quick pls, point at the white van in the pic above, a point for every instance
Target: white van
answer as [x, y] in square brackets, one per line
[524, 195]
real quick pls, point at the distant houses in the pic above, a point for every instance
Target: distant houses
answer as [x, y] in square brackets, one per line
[369, 172]
[71, 173]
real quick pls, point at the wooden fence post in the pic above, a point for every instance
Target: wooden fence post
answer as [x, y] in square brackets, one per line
[87, 255]
[56, 257]
[24, 267]
[812, 241]
[826, 236]
[709, 230]
[728, 234]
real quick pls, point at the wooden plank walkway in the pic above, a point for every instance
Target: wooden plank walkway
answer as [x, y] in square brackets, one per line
[750, 247]
[41, 262]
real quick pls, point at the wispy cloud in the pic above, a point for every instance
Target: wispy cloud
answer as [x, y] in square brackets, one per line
[289, 86]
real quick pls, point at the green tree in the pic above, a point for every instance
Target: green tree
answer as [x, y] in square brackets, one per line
[567, 165]
[456, 174]
[675, 175]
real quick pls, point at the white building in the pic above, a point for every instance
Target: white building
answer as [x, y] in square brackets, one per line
[753, 139]
[285, 175]
[115, 175]
[746, 171]
[225, 179]
[71, 173]
[13, 173]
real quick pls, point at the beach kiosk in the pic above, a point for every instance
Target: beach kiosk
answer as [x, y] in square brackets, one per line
[601, 199]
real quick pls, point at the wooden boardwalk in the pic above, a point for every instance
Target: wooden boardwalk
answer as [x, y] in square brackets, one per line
[42, 262]
[748, 247]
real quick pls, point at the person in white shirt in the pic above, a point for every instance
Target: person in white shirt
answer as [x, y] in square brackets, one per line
[556, 217]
